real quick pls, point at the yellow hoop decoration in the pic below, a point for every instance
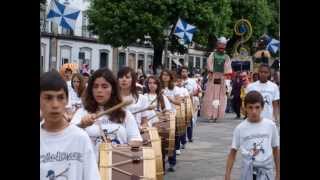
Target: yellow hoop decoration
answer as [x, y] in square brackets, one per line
[245, 35]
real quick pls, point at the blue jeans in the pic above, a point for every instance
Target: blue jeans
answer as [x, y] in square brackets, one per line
[173, 159]
[189, 134]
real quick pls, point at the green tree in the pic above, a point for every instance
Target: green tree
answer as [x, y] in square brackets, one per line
[263, 15]
[121, 23]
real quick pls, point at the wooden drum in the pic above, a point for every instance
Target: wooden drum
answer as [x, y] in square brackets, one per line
[189, 110]
[151, 139]
[166, 127]
[126, 163]
[180, 119]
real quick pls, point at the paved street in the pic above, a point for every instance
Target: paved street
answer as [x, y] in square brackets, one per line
[205, 158]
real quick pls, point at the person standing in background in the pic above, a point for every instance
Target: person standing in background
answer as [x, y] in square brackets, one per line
[269, 91]
[235, 94]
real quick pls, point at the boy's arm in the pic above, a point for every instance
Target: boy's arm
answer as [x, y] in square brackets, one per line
[230, 161]
[276, 156]
[275, 105]
[90, 165]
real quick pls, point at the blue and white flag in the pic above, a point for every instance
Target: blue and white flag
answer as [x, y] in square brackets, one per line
[184, 31]
[64, 16]
[273, 46]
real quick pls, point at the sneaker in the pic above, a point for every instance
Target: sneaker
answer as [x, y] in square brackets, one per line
[183, 146]
[190, 140]
[178, 152]
[171, 168]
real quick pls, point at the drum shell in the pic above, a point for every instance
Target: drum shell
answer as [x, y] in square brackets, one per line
[110, 155]
[180, 119]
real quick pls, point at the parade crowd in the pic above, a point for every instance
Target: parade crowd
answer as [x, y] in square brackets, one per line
[71, 129]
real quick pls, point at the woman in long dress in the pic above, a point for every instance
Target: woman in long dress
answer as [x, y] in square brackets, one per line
[219, 64]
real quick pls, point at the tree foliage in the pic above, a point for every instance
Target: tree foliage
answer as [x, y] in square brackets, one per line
[121, 23]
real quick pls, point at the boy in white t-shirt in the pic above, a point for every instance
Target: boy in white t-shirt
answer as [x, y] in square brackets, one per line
[257, 139]
[269, 91]
[65, 150]
[181, 92]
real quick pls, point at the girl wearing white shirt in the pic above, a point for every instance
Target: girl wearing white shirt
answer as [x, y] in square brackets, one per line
[127, 82]
[101, 94]
[156, 98]
[171, 92]
[78, 87]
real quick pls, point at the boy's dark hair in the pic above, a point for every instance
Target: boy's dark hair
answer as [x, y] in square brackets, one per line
[182, 68]
[52, 81]
[254, 97]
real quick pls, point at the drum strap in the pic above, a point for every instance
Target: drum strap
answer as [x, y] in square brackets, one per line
[102, 133]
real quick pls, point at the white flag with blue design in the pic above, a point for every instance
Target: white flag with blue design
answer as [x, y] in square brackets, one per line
[273, 46]
[184, 31]
[64, 16]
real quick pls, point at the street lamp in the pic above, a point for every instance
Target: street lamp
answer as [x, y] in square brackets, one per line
[167, 33]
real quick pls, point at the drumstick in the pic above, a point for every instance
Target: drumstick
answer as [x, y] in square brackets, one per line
[120, 105]
[151, 107]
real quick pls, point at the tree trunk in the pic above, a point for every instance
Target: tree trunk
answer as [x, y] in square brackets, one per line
[157, 57]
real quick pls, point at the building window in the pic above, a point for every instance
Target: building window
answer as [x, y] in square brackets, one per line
[42, 57]
[141, 60]
[132, 61]
[85, 25]
[65, 54]
[122, 60]
[104, 59]
[198, 61]
[190, 63]
[149, 60]
[204, 63]
[85, 55]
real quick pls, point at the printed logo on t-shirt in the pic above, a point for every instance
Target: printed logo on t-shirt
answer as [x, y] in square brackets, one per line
[267, 99]
[52, 175]
[61, 156]
[111, 135]
[257, 148]
[256, 144]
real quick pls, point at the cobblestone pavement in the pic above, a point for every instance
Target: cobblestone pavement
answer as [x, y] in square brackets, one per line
[205, 158]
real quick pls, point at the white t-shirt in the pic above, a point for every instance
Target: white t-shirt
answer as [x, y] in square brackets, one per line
[172, 93]
[152, 113]
[262, 136]
[122, 133]
[136, 106]
[228, 84]
[270, 93]
[190, 85]
[181, 91]
[67, 154]
[74, 100]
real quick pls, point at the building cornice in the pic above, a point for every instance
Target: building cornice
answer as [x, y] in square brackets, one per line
[69, 37]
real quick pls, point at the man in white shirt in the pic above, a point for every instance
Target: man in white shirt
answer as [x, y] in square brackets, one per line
[65, 150]
[257, 139]
[269, 91]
